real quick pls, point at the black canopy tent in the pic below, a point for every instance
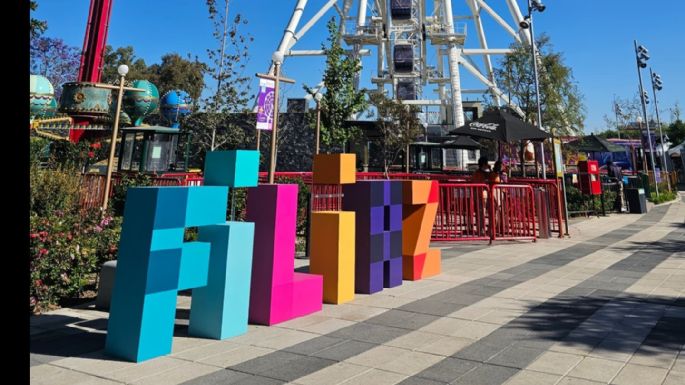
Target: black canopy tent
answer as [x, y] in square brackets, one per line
[501, 126]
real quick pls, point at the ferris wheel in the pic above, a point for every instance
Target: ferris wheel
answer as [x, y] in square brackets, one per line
[419, 45]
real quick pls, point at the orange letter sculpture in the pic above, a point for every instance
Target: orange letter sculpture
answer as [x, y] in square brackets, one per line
[420, 205]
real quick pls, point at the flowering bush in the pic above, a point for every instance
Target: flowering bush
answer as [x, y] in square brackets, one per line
[66, 252]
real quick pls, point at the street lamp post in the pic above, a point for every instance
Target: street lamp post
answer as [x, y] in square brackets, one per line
[318, 98]
[534, 5]
[122, 70]
[657, 85]
[641, 56]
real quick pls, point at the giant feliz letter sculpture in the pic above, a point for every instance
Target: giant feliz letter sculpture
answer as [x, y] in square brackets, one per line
[154, 262]
[420, 198]
[378, 246]
[332, 232]
[278, 293]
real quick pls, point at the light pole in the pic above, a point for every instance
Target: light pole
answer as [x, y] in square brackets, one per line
[641, 56]
[657, 85]
[527, 23]
[122, 70]
[318, 98]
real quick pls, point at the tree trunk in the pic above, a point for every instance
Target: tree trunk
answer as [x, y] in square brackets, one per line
[406, 159]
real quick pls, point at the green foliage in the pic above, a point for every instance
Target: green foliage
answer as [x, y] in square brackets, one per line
[664, 196]
[54, 190]
[66, 251]
[398, 125]
[232, 133]
[676, 132]
[340, 100]
[120, 189]
[561, 100]
[579, 202]
[174, 72]
[607, 134]
[37, 27]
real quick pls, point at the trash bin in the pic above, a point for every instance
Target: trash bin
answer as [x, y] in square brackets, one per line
[542, 210]
[637, 201]
[644, 178]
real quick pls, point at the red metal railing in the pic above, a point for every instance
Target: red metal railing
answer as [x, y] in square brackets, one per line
[513, 210]
[93, 188]
[463, 213]
[326, 197]
[552, 190]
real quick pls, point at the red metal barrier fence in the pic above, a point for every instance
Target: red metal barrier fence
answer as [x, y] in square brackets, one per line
[466, 211]
[554, 198]
[463, 213]
[513, 210]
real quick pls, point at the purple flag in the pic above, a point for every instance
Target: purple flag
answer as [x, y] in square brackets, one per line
[265, 105]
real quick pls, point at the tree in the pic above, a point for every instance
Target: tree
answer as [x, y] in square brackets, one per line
[676, 132]
[137, 69]
[55, 60]
[398, 125]
[177, 73]
[340, 100]
[232, 90]
[37, 27]
[560, 98]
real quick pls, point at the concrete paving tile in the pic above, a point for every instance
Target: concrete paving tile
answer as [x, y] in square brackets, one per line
[445, 326]
[446, 346]
[204, 351]
[285, 339]
[675, 378]
[296, 368]
[327, 326]
[377, 356]
[475, 330]
[662, 359]
[516, 356]
[596, 369]
[640, 375]
[344, 350]
[527, 377]
[410, 363]
[414, 340]
[237, 356]
[555, 363]
[314, 345]
[261, 365]
[221, 376]
[376, 377]
[447, 370]
[184, 343]
[333, 374]
[148, 368]
[177, 375]
[578, 381]
[486, 374]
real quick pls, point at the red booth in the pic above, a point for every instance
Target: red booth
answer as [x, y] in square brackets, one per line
[588, 177]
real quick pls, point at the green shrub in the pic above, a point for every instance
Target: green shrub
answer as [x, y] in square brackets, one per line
[66, 251]
[118, 200]
[664, 196]
[54, 190]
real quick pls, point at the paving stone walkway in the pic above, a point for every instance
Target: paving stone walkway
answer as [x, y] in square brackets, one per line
[605, 306]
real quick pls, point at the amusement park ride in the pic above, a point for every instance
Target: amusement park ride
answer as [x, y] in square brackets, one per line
[87, 108]
[402, 34]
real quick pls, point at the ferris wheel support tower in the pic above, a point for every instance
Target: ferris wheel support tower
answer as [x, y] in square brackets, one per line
[403, 34]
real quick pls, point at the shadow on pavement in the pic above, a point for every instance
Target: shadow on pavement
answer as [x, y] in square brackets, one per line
[620, 324]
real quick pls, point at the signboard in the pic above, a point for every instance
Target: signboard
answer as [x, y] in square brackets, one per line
[265, 104]
[657, 174]
[558, 159]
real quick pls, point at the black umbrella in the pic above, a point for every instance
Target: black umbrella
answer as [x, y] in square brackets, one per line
[502, 126]
[461, 142]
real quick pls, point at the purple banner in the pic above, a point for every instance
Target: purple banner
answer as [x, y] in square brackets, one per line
[265, 105]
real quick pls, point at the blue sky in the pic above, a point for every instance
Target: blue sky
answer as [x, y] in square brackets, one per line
[595, 36]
